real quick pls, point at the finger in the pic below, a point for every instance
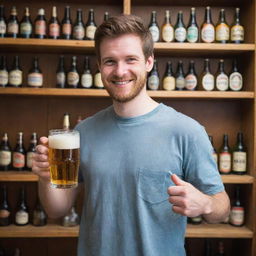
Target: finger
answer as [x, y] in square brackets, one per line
[178, 181]
[176, 191]
[180, 210]
[44, 141]
[41, 149]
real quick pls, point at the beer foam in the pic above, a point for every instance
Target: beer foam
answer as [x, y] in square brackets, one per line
[64, 141]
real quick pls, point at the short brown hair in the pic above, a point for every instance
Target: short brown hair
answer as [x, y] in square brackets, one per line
[124, 24]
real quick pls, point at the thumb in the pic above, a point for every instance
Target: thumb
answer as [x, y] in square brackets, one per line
[44, 141]
[177, 181]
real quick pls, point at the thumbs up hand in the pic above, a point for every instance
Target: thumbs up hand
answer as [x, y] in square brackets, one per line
[188, 200]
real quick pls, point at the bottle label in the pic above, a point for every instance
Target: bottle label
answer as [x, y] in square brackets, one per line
[237, 33]
[225, 162]
[66, 29]
[2, 27]
[222, 82]
[54, 30]
[98, 81]
[40, 27]
[180, 82]
[35, 79]
[15, 78]
[208, 33]
[3, 77]
[208, 82]
[86, 80]
[191, 82]
[153, 82]
[21, 217]
[235, 81]
[154, 30]
[12, 28]
[4, 213]
[192, 34]
[168, 33]
[237, 215]
[90, 32]
[169, 83]
[222, 32]
[29, 159]
[239, 161]
[18, 160]
[25, 28]
[180, 34]
[5, 157]
[61, 78]
[73, 78]
[78, 32]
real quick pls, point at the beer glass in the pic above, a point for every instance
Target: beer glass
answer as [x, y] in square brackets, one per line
[64, 157]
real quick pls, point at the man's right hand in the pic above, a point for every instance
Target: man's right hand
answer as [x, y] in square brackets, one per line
[41, 164]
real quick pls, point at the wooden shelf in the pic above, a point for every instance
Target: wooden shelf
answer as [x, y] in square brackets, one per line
[237, 179]
[18, 176]
[103, 93]
[53, 230]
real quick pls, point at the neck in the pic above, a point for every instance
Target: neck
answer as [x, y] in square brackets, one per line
[140, 105]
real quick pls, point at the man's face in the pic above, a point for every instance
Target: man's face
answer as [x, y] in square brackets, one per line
[123, 67]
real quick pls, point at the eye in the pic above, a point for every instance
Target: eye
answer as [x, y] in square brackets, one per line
[109, 62]
[131, 60]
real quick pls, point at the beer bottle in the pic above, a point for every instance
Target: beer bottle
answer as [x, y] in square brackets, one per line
[207, 79]
[207, 29]
[235, 78]
[31, 151]
[73, 76]
[192, 29]
[26, 25]
[66, 24]
[167, 28]
[220, 251]
[17, 252]
[18, 156]
[61, 74]
[180, 32]
[5, 154]
[221, 78]
[153, 27]
[72, 219]
[40, 24]
[222, 29]
[39, 216]
[66, 122]
[79, 29]
[15, 75]
[237, 30]
[106, 16]
[239, 156]
[225, 157]
[35, 76]
[195, 220]
[180, 78]
[86, 78]
[13, 24]
[98, 81]
[214, 152]
[2, 22]
[54, 25]
[90, 27]
[5, 211]
[153, 77]
[169, 79]
[3, 72]
[237, 210]
[22, 215]
[191, 77]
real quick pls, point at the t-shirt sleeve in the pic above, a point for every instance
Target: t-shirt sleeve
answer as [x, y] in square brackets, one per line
[199, 165]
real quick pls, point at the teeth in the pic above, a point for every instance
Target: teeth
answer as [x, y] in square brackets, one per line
[120, 82]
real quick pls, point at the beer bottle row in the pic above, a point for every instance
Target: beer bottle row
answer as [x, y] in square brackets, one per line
[18, 159]
[53, 29]
[6, 251]
[207, 33]
[228, 160]
[221, 81]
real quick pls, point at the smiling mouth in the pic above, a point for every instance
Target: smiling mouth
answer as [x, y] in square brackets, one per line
[121, 83]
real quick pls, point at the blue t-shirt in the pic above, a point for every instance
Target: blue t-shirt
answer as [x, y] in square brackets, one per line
[124, 167]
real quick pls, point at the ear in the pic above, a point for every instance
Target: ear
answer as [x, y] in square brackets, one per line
[149, 63]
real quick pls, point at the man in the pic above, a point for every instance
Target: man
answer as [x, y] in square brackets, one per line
[144, 166]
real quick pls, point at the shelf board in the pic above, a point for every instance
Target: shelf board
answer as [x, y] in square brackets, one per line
[103, 93]
[53, 230]
[237, 179]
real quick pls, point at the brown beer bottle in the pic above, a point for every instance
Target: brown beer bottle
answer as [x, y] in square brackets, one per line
[153, 77]
[3, 25]
[167, 28]
[207, 79]
[66, 122]
[90, 26]
[222, 29]
[54, 25]
[31, 151]
[18, 156]
[79, 28]
[40, 24]
[35, 75]
[73, 76]
[5, 211]
[153, 27]
[180, 32]
[191, 77]
[26, 25]
[180, 78]
[237, 30]
[221, 78]
[13, 24]
[237, 210]
[169, 79]
[207, 29]
[5, 154]
[225, 157]
[61, 74]
[214, 152]
[66, 24]
[15, 74]
[86, 78]
[22, 214]
[3, 72]
[235, 78]
[192, 29]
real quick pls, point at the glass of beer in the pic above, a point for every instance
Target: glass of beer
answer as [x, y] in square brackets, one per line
[64, 157]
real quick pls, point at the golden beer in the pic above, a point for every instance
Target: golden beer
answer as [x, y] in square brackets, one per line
[64, 158]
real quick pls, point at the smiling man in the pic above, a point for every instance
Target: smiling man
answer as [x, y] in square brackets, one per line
[132, 206]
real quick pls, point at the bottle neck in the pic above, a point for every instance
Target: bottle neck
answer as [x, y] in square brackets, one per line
[208, 16]
[153, 18]
[67, 13]
[206, 66]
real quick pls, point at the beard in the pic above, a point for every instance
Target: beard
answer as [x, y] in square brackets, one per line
[120, 97]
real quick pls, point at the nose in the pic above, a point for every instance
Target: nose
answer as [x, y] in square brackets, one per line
[120, 69]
